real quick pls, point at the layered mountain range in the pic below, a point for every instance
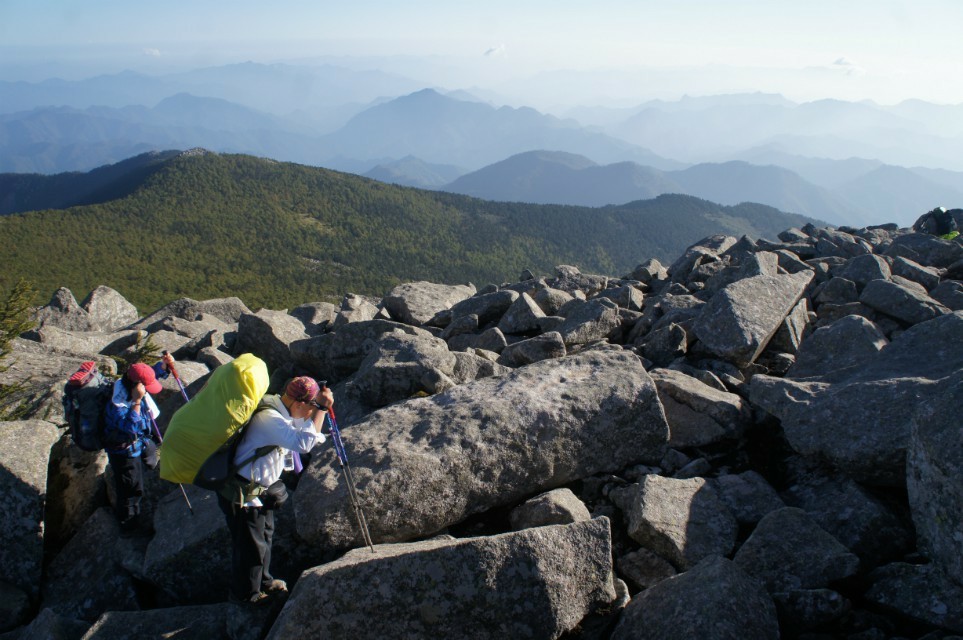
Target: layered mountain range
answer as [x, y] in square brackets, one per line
[844, 162]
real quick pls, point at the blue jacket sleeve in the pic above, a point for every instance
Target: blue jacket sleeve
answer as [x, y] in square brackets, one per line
[160, 371]
[126, 424]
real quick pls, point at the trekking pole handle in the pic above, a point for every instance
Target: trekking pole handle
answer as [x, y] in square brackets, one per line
[333, 428]
[170, 365]
[177, 378]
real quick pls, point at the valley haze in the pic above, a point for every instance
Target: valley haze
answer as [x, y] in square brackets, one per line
[851, 114]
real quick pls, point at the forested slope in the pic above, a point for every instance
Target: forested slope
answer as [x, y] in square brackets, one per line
[276, 234]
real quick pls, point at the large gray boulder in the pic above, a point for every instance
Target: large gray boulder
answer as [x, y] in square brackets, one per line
[471, 366]
[697, 413]
[51, 626]
[268, 335]
[904, 303]
[708, 249]
[355, 308]
[427, 463]
[570, 279]
[108, 310]
[788, 550]
[664, 345]
[83, 344]
[934, 479]
[228, 310]
[551, 300]
[738, 322]
[860, 422]
[205, 330]
[75, 489]
[24, 457]
[537, 583]
[546, 346]
[795, 327]
[210, 622]
[925, 249]
[838, 349]
[316, 316]
[590, 321]
[866, 268]
[749, 497]
[87, 578]
[715, 600]
[558, 506]
[918, 592]
[335, 356]
[15, 609]
[949, 293]
[400, 366]
[522, 316]
[832, 242]
[929, 277]
[852, 515]
[189, 557]
[64, 312]
[417, 302]
[684, 521]
[489, 307]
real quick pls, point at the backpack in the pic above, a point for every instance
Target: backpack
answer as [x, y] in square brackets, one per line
[86, 395]
[219, 471]
[205, 432]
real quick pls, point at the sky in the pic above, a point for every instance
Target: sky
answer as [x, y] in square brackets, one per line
[883, 50]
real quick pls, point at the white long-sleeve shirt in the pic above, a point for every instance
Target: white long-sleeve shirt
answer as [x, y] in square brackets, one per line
[274, 427]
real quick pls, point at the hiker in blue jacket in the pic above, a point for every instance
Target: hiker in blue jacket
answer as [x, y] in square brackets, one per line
[128, 435]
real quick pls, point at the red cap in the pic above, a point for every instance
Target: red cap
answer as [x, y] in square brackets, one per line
[140, 372]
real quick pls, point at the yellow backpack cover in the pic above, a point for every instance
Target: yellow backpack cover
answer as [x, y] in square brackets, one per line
[212, 416]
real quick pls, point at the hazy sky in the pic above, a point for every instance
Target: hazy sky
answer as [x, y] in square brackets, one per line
[887, 50]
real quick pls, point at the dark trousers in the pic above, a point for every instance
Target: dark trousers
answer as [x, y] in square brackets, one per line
[252, 534]
[129, 483]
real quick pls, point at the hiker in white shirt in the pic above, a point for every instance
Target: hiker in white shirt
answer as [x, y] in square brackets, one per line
[281, 425]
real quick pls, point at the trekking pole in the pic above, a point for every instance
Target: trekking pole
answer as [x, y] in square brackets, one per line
[160, 440]
[348, 477]
[177, 378]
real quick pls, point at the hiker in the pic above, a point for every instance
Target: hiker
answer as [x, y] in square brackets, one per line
[128, 437]
[290, 422]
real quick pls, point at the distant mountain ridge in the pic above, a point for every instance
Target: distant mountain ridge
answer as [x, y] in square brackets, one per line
[31, 192]
[441, 129]
[391, 127]
[873, 196]
[437, 129]
[208, 225]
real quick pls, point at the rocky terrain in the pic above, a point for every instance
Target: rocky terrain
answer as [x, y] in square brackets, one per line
[759, 440]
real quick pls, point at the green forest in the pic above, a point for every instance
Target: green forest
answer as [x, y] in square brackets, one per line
[279, 234]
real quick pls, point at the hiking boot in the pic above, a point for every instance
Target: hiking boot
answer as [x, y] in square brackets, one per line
[255, 599]
[274, 586]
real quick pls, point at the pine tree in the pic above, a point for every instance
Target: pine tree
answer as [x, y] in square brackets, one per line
[14, 320]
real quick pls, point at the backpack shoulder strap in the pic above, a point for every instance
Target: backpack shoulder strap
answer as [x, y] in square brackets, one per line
[260, 451]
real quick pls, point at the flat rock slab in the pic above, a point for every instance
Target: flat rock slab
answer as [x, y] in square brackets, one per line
[536, 583]
[428, 463]
[738, 322]
[683, 521]
[921, 592]
[860, 419]
[24, 458]
[934, 479]
[788, 550]
[715, 600]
